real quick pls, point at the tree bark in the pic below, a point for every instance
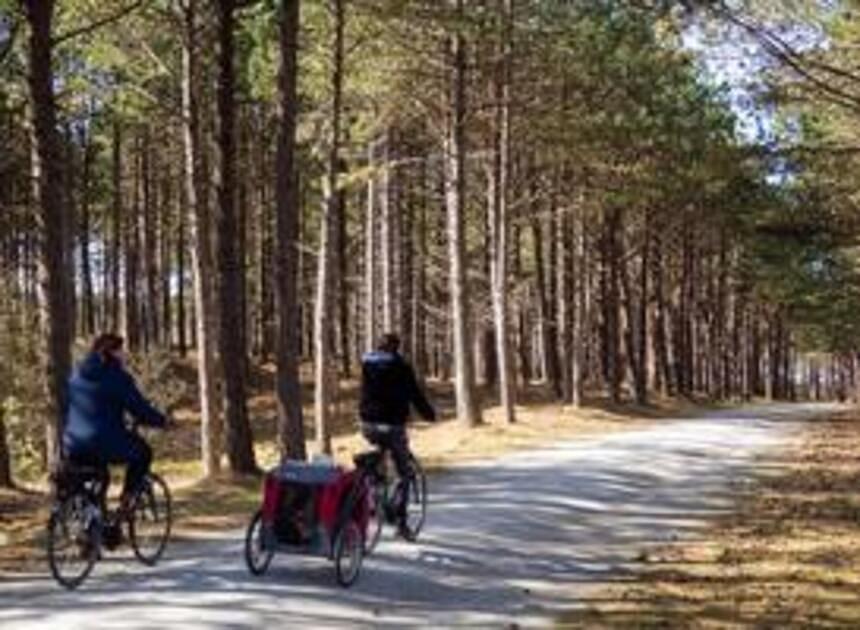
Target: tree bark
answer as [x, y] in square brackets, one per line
[181, 323]
[150, 266]
[5, 458]
[579, 333]
[89, 311]
[610, 281]
[117, 220]
[239, 442]
[131, 252]
[53, 224]
[387, 239]
[499, 215]
[165, 260]
[326, 382]
[343, 290]
[370, 257]
[202, 260]
[468, 411]
[291, 433]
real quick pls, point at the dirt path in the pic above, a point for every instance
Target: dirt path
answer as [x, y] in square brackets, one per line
[508, 540]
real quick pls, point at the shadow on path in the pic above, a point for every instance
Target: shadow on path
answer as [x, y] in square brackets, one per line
[511, 539]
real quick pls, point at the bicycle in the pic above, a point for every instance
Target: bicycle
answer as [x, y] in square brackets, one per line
[386, 496]
[78, 526]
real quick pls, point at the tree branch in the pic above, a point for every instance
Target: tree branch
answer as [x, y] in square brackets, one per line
[97, 24]
[788, 55]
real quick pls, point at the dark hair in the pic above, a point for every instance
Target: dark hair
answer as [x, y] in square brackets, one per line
[389, 342]
[106, 343]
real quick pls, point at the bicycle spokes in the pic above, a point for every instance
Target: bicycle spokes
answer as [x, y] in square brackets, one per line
[150, 521]
[74, 532]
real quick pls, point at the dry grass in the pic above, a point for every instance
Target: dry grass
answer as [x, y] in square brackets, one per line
[788, 558]
[22, 520]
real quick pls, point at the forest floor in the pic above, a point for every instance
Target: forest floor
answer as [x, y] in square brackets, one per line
[202, 506]
[787, 557]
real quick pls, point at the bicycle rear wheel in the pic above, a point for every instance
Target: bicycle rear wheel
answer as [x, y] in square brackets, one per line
[376, 517]
[73, 541]
[259, 545]
[150, 520]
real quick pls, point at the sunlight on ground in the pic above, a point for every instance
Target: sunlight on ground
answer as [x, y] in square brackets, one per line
[787, 558]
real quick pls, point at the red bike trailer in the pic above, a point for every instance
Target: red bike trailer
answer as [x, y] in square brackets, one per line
[310, 509]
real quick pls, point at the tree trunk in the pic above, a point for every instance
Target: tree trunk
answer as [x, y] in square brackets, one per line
[117, 220]
[406, 254]
[5, 458]
[419, 312]
[89, 311]
[165, 263]
[181, 323]
[53, 224]
[370, 258]
[243, 213]
[291, 432]
[543, 299]
[387, 240]
[610, 280]
[202, 260]
[239, 442]
[579, 333]
[343, 291]
[326, 382]
[468, 411]
[499, 215]
[131, 252]
[70, 222]
[637, 318]
[150, 265]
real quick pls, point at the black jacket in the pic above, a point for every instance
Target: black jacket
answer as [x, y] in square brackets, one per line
[388, 387]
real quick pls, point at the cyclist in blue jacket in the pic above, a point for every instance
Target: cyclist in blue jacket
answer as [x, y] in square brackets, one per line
[100, 391]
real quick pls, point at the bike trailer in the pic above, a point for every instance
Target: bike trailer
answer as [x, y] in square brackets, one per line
[303, 502]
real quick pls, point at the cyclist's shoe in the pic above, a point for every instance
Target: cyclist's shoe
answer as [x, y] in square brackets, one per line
[112, 535]
[404, 532]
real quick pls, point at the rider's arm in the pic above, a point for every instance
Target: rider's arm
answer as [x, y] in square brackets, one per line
[140, 407]
[417, 397]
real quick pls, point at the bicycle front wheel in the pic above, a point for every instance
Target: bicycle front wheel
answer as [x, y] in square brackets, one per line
[348, 553]
[416, 503]
[73, 541]
[150, 521]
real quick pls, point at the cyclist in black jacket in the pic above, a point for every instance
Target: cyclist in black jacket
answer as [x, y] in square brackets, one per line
[388, 388]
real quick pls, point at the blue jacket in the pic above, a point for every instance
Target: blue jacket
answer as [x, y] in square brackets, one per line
[388, 388]
[98, 395]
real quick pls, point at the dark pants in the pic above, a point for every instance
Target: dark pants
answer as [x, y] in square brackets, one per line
[132, 450]
[396, 442]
